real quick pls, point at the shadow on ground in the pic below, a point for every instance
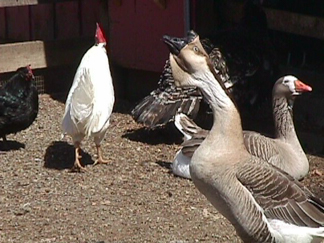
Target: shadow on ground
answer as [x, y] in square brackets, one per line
[10, 145]
[60, 155]
[164, 164]
[167, 135]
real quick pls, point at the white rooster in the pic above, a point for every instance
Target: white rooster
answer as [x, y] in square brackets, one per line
[91, 99]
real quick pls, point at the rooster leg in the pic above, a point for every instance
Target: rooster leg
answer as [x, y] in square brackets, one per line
[77, 165]
[100, 160]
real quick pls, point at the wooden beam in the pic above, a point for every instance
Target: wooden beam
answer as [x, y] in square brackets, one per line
[299, 24]
[42, 54]
[13, 3]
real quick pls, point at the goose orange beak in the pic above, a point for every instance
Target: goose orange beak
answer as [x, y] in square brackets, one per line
[302, 87]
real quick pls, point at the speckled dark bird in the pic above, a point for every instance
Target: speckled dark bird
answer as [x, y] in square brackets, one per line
[160, 106]
[243, 55]
[18, 102]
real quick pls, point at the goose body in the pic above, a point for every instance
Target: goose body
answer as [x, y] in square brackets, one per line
[284, 150]
[263, 203]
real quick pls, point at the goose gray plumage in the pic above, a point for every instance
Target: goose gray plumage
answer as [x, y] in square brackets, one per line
[283, 151]
[263, 203]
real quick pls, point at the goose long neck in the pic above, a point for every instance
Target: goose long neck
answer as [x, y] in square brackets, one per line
[227, 128]
[283, 118]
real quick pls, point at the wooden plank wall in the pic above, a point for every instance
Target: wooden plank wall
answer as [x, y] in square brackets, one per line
[2, 24]
[42, 22]
[136, 39]
[17, 23]
[49, 21]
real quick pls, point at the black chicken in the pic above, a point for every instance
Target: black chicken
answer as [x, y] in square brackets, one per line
[18, 102]
[247, 52]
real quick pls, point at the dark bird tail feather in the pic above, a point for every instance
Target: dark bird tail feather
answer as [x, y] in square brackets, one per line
[157, 110]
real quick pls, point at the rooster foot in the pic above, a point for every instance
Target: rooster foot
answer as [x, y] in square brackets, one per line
[101, 161]
[78, 168]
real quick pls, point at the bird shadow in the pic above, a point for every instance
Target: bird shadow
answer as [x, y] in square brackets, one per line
[164, 164]
[165, 135]
[6, 146]
[60, 155]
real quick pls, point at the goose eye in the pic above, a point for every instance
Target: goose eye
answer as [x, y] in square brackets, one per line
[195, 49]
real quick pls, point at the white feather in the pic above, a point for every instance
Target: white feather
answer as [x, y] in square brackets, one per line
[288, 233]
[177, 123]
[91, 98]
[180, 165]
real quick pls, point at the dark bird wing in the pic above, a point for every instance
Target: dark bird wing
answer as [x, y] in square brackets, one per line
[160, 106]
[8, 104]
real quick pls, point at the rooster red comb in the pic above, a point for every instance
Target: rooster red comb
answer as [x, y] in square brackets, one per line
[100, 38]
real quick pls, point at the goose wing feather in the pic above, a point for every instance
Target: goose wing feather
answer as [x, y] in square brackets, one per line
[188, 127]
[191, 145]
[262, 147]
[280, 196]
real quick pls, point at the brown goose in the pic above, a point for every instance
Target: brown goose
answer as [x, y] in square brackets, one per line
[283, 151]
[263, 203]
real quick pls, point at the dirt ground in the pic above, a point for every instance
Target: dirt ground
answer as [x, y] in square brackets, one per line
[132, 199]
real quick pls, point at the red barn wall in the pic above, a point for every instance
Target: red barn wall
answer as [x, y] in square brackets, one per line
[136, 30]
